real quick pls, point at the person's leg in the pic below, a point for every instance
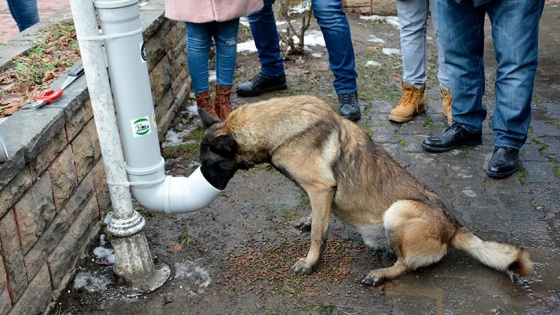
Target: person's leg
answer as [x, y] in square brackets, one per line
[332, 20]
[265, 34]
[413, 16]
[334, 25]
[443, 78]
[24, 12]
[515, 30]
[463, 47]
[225, 36]
[514, 24]
[199, 41]
[271, 76]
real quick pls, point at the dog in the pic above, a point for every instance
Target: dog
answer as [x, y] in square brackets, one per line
[346, 174]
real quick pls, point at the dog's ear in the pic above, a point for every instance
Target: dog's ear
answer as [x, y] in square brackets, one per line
[207, 119]
[224, 145]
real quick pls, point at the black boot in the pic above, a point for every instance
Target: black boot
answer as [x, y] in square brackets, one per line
[349, 107]
[261, 84]
[451, 138]
[504, 162]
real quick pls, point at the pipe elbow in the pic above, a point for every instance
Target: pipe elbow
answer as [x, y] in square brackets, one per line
[177, 194]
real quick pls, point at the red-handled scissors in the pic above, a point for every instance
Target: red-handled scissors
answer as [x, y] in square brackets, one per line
[50, 96]
[46, 97]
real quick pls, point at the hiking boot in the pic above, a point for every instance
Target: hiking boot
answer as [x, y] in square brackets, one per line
[261, 84]
[223, 101]
[204, 101]
[411, 104]
[349, 107]
[447, 105]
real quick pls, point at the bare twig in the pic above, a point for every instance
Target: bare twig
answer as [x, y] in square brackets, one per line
[288, 40]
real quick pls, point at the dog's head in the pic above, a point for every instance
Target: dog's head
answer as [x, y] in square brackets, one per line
[218, 151]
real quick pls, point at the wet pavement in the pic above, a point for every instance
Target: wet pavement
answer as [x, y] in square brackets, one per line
[210, 276]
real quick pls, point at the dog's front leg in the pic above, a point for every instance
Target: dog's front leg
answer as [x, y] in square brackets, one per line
[321, 203]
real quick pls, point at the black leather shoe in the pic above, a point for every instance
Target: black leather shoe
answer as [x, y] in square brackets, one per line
[349, 107]
[261, 84]
[451, 138]
[504, 162]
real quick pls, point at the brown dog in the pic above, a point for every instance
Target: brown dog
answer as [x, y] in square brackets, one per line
[346, 174]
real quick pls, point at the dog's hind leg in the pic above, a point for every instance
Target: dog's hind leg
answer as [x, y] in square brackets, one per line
[321, 204]
[415, 235]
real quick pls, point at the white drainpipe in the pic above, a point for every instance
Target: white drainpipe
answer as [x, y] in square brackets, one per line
[122, 32]
[128, 140]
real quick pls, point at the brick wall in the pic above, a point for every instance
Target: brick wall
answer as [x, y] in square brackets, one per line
[53, 193]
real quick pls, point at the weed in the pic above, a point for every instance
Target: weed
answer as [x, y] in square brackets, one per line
[556, 168]
[402, 140]
[522, 175]
[537, 99]
[186, 239]
[326, 309]
[196, 134]
[428, 123]
[367, 129]
[291, 216]
[185, 150]
[145, 212]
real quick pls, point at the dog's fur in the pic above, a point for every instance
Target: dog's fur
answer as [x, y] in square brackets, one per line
[346, 174]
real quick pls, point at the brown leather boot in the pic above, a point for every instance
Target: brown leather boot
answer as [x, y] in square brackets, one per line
[447, 105]
[223, 101]
[411, 104]
[204, 101]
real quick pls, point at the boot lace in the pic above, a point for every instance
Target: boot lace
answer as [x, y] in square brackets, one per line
[408, 97]
[347, 99]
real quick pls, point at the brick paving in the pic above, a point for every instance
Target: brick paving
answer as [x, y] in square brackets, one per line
[9, 28]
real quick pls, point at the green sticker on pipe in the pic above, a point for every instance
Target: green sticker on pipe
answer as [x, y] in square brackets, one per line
[141, 126]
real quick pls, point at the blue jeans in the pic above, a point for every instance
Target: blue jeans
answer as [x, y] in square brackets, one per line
[24, 12]
[332, 20]
[199, 41]
[515, 29]
[413, 17]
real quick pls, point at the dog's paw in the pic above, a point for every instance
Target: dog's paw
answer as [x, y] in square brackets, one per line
[373, 279]
[302, 267]
[304, 224]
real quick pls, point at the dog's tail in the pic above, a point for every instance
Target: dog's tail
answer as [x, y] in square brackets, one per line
[503, 257]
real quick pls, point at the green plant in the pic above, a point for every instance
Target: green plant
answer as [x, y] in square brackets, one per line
[186, 239]
[185, 150]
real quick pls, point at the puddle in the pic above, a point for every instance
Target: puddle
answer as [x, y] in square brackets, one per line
[492, 293]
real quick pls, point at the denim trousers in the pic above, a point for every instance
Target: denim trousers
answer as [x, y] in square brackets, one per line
[413, 17]
[24, 12]
[332, 20]
[199, 42]
[515, 30]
